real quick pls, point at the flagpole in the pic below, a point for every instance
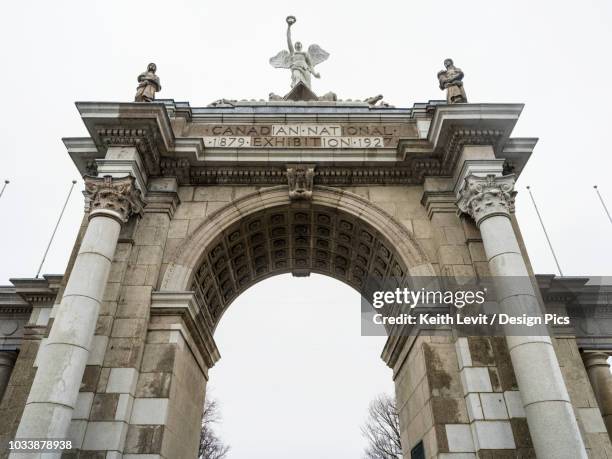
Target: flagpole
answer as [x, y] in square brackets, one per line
[55, 229]
[545, 232]
[603, 203]
[6, 182]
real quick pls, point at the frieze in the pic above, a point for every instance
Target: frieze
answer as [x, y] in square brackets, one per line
[306, 135]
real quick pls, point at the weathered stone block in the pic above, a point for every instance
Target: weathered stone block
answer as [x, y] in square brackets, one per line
[459, 438]
[123, 352]
[104, 407]
[144, 439]
[122, 380]
[149, 411]
[90, 378]
[213, 193]
[475, 379]
[178, 229]
[129, 328]
[154, 385]
[158, 358]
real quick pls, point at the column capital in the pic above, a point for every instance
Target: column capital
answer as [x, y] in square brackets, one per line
[483, 197]
[595, 358]
[8, 358]
[117, 198]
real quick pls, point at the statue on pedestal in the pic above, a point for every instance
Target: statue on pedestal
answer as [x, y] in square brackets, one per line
[148, 85]
[300, 62]
[451, 80]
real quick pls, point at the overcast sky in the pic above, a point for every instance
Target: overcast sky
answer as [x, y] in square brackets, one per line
[300, 388]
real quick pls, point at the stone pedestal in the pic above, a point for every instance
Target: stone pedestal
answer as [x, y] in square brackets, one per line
[7, 362]
[552, 423]
[598, 369]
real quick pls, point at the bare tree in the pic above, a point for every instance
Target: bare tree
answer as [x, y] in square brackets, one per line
[211, 446]
[382, 429]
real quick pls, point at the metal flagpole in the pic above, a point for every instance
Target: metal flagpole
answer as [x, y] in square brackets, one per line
[6, 182]
[545, 232]
[602, 203]
[55, 229]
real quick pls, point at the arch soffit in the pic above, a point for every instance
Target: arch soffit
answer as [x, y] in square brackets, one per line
[178, 274]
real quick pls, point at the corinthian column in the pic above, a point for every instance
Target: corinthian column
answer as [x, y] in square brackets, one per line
[598, 369]
[552, 423]
[49, 407]
[7, 362]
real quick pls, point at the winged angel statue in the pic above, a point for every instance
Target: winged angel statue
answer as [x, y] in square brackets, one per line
[300, 62]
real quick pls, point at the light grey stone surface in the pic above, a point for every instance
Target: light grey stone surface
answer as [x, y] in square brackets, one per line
[459, 438]
[475, 379]
[494, 406]
[493, 435]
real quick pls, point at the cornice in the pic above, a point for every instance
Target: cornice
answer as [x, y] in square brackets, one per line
[148, 128]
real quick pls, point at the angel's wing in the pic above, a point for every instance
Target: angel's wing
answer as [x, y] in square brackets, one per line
[317, 54]
[282, 60]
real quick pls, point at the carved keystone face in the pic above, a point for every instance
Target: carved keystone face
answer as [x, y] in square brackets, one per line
[298, 46]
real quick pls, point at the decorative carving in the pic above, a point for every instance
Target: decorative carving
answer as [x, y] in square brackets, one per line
[329, 97]
[451, 80]
[373, 100]
[300, 62]
[483, 197]
[223, 103]
[145, 141]
[301, 180]
[274, 97]
[117, 196]
[148, 85]
[462, 137]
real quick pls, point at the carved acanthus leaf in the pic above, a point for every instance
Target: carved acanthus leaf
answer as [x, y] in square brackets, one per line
[483, 197]
[118, 196]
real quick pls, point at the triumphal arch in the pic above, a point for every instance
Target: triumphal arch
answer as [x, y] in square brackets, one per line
[187, 207]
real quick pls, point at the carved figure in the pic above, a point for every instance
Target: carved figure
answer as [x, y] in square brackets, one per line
[300, 178]
[301, 63]
[373, 100]
[148, 85]
[451, 80]
[273, 97]
[222, 103]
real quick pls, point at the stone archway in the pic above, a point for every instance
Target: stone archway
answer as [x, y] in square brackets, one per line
[257, 236]
[328, 203]
[128, 350]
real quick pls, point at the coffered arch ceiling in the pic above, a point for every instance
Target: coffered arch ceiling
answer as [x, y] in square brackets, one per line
[298, 239]
[336, 233]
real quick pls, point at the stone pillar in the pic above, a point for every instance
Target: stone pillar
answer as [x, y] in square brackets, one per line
[598, 369]
[56, 385]
[7, 362]
[552, 423]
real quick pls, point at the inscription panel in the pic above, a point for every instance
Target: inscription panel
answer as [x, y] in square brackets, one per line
[307, 135]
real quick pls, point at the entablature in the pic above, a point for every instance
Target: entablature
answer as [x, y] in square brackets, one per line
[251, 142]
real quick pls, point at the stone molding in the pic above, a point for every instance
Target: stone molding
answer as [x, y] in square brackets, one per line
[462, 137]
[115, 197]
[184, 305]
[439, 202]
[162, 196]
[483, 197]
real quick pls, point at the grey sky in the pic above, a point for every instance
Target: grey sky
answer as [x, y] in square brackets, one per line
[281, 394]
